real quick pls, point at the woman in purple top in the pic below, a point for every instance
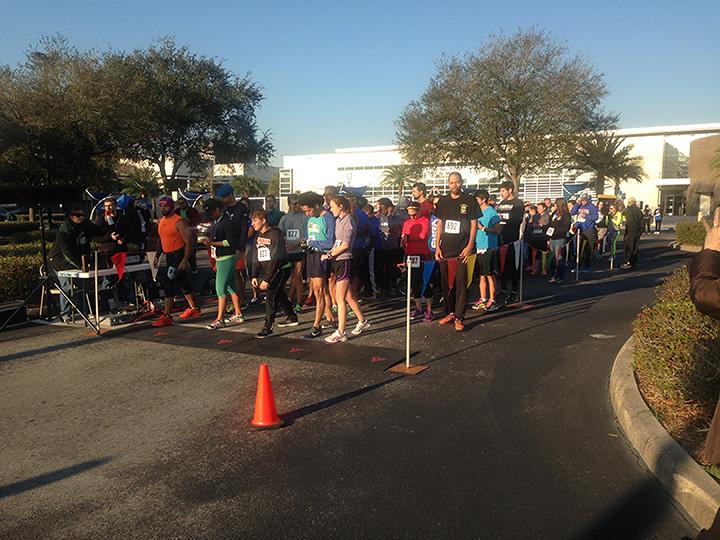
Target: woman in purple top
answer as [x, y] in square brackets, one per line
[341, 257]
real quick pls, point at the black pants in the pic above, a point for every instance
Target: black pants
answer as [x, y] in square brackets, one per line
[631, 241]
[455, 299]
[275, 297]
[587, 249]
[386, 270]
[658, 226]
[360, 277]
[510, 272]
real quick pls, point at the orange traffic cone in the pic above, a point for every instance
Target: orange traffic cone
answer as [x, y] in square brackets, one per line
[266, 416]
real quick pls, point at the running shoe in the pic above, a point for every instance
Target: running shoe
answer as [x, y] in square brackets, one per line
[216, 325]
[289, 321]
[416, 314]
[429, 316]
[235, 319]
[491, 306]
[314, 332]
[336, 337]
[480, 304]
[512, 298]
[326, 325]
[190, 313]
[265, 332]
[447, 319]
[360, 327]
[297, 308]
[164, 320]
[552, 280]
[459, 325]
[254, 301]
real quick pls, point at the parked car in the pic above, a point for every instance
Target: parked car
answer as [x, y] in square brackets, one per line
[7, 215]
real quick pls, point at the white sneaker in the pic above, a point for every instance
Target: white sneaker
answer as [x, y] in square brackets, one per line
[336, 337]
[360, 327]
[235, 319]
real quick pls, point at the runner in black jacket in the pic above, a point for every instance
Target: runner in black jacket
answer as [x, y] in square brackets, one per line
[270, 271]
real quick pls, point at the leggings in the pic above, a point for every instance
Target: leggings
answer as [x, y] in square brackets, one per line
[225, 269]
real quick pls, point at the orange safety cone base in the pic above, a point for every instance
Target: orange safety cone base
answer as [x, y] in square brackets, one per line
[266, 416]
[404, 370]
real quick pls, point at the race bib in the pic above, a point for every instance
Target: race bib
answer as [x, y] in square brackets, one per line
[263, 254]
[338, 243]
[293, 234]
[505, 215]
[413, 261]
[311, 237]
[452, 227]
[550, 231]
[213, 252]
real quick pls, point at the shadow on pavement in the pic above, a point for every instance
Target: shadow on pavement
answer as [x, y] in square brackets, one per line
[290, 416]
[51, 477]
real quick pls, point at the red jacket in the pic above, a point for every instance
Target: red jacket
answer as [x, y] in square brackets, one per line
[415, 232]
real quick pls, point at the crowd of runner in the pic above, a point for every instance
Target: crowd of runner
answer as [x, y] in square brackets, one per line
[335, 250]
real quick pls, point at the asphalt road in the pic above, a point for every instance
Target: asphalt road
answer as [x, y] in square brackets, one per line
[509, 434]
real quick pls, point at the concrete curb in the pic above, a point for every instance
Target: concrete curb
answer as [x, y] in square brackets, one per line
[693, 490]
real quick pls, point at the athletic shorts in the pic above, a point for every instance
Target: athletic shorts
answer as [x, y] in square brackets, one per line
[316, 268]
[296, 257]
[180, 282]
[486, 263]
[342, 269]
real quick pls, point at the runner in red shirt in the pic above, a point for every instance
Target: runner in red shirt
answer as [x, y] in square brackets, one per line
[414, 240]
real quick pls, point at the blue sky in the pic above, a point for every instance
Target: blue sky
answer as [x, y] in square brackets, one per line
[338, 74]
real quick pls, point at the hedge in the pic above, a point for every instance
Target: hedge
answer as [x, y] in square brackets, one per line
[31, 248]
[18, 276]
[677, 361]
[690, 233]
[10, 227]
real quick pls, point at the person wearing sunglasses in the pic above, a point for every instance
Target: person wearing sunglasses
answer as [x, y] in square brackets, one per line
[71, 246]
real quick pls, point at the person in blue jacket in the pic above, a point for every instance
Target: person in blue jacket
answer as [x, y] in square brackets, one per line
[586, 214]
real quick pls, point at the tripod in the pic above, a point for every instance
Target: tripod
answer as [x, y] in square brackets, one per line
[46, 281]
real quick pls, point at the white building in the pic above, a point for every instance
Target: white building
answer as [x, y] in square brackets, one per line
[665, 151]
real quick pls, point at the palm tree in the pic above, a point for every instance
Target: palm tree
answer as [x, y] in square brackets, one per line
[135, 180]
[399, 177]
[604, 156]
[248, 186]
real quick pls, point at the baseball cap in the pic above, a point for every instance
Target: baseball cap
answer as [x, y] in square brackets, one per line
[224, 190]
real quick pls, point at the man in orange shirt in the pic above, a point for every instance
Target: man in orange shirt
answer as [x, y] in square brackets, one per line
[176, 243]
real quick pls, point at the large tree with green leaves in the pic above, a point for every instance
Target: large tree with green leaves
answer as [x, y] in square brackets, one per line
[248, 186]
[604, 155]
[186, 110]
[53, 126]
[517, 105]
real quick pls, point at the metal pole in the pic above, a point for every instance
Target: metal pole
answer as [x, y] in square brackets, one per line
[408, 265]
[522, 270]
[97, 293]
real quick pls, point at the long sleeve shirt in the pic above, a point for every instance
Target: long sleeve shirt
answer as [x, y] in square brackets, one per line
[587, 215]
[270, 254]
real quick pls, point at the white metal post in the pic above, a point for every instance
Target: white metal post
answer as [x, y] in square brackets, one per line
[408, 265]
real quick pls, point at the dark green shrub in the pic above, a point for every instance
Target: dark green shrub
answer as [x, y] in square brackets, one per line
[10, 227]
[18, 276]
[32, 248]
[690, 233]
[677, 360]
[26, 237]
